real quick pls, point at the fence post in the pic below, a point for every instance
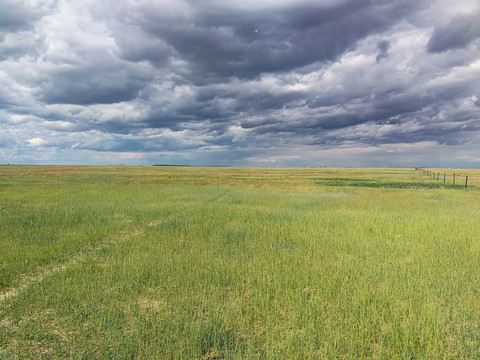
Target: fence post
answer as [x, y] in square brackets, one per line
[444, 175]
[453, 179]
[466, 181]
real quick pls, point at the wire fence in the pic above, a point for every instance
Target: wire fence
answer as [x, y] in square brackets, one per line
[453, 178]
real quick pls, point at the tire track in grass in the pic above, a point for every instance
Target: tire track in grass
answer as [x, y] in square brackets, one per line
[47, 270]
[218, 197]
[43, 272]
[28, 279]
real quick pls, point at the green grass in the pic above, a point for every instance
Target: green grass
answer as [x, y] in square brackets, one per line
[236, 263]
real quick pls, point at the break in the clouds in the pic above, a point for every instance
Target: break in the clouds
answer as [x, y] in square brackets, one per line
[281, 83]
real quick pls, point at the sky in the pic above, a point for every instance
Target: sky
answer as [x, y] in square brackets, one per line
[361, 83]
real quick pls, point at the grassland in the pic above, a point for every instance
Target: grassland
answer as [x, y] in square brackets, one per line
[237, 263]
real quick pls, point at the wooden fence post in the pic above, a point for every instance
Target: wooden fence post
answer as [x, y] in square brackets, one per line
[444, 175]
[453, 179]
[466, 182]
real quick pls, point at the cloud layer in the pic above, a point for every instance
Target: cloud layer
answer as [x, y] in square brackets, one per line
[337, 83]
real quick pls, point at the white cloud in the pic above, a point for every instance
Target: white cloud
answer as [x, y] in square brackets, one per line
[37, 142]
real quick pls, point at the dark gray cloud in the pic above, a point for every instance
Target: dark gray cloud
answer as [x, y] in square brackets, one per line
[362, 82]
[19, 15]
[220, 44]
[101, 83]
[459, 32]
[383, 47]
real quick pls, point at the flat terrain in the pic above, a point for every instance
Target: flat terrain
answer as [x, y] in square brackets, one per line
[238, 263]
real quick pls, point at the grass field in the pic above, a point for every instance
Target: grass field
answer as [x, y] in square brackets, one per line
[237, 263]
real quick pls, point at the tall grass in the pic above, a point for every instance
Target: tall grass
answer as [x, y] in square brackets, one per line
[239, 264]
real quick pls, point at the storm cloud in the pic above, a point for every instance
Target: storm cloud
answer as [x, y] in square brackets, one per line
[283, 83]
[459, 32]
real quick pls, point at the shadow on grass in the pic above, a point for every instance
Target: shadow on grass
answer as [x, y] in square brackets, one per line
[377, 183]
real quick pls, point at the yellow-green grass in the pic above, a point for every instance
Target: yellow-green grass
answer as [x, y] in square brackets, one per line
[237, 263]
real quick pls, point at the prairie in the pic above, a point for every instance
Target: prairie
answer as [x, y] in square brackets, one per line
[237, 263]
